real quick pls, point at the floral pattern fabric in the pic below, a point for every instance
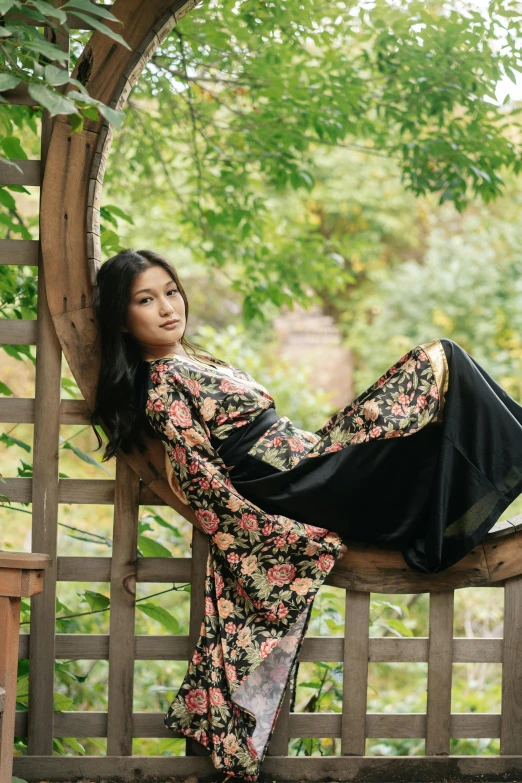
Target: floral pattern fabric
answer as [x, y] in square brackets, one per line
[262, 574]
[263, 570]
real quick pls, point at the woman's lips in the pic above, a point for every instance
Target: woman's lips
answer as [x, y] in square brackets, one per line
[170, 324]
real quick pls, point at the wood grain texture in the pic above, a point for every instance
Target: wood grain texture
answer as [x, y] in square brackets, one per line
[440, 659]
[353, 769]
[511, 721]
[355, 673]
[123, 600]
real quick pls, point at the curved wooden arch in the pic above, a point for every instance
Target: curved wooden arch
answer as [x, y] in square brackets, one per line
[70, 242]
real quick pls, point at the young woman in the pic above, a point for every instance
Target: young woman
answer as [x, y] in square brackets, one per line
[424, 461]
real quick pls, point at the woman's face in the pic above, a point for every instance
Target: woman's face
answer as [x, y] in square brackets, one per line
[156, 313]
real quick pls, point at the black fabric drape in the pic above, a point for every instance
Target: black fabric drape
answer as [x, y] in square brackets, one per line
[433, 495]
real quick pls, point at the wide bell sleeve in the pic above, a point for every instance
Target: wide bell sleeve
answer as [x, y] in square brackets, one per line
[262, 574]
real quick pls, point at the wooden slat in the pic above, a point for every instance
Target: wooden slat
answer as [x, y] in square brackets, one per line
[317, 725]
[95, 647]
[440, 658]
[17, 332]
[20, 252]
[21, 411]
[175, 648]
[123, 597]
[511, 721]
[24, 560]
[29, 174]
[149, 569]
[383, 769]
[355, 673]
[45, 488]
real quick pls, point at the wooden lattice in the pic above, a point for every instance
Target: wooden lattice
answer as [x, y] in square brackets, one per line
[70, 174]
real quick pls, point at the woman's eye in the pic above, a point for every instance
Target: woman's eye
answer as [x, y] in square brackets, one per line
[173, 291]
[144, 299]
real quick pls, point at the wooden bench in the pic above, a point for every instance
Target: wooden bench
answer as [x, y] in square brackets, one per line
[21, 576]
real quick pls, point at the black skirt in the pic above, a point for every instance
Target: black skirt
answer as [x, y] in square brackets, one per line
[433, 493]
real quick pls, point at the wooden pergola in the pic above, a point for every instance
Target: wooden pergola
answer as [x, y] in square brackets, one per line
[70, 174]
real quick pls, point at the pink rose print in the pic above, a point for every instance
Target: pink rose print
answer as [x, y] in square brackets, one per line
[208, 519]
[197, 701]
[281, 574]
[267, 647]
[179, 414]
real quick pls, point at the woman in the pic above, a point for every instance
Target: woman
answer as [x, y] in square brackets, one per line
[424, 461]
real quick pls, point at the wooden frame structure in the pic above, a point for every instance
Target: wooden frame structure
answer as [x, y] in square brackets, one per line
[70, 174]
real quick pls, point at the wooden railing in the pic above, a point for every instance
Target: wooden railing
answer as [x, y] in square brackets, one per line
[21, 576]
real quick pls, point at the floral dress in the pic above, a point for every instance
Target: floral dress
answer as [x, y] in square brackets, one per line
[424, 461]
[263, 571]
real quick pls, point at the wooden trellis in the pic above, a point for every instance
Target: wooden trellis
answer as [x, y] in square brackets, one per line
[70, 174]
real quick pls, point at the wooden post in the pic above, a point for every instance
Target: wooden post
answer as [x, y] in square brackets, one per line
[355, 673]
[21, 575]
[511, 715]
[440, 658]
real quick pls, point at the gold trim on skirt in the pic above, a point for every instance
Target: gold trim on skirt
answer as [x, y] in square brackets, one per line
[439, 364]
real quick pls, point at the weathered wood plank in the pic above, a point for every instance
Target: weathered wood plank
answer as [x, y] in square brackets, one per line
[440, 658]
[95, 647]
[175, 648]
[511, 721]
[355, 673]
[44, 489]
[378, 769]
[123, 597]
[318, 725]
[21, 411]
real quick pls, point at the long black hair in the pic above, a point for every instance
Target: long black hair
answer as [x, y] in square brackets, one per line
[119, 402]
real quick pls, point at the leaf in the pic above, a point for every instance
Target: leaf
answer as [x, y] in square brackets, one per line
[54, 102]
[50, 50]
[161, 616]
[96, 601]
[56, 76]
[5, 389]
[75, 745]
[9, 440]
[103, 29]
[115, 117]
[91, 8]
[7, 200]
[8, 81]
[82, 455]
[151, 548]
[46, 9]
[12, 148]
[61, 702]
[5, 6]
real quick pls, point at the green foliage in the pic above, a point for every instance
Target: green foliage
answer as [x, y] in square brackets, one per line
[27, 57]
[231, 113]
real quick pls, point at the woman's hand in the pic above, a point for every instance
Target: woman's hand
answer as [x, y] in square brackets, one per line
[344, 550]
